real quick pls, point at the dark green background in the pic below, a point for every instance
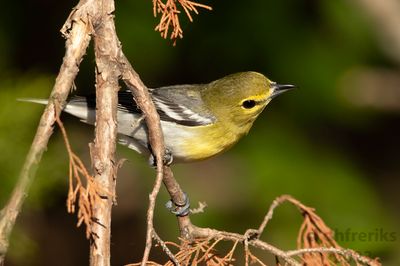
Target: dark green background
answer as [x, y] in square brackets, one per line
[324, 143]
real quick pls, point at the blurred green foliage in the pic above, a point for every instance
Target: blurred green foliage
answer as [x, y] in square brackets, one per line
[312, 143]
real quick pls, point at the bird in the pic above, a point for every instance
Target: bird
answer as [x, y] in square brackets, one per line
[198, 121]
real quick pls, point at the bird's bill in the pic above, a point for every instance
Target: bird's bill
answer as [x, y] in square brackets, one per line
[280, 88]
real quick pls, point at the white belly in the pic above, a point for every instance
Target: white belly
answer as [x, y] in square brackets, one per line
[132, 130]
[133, 133]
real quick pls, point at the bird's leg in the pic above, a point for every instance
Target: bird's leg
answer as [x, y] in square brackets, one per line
[180, 208]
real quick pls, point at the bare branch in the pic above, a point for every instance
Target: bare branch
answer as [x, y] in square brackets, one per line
[200, 247]
[78, 36]
[107, 48]
[150, 216]
[156, 139]
[347, 253]
[178, 197]
[278, 201]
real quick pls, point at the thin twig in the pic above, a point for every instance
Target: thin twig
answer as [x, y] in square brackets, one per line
[229, 255]
[78, 37]
[210, 248]
[200, 209]
[165, 248]
[200, 249]
[278, 201]
[347, 253]
[150, 215]
[156, 139]
[229, 236]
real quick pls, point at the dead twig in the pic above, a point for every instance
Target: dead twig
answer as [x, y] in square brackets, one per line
[156, 139]
[170, 12]
[200, 209]
[325, 251]
[278, 201]
[83, 191]
[165, 248]
[345, 253]
[77, 37]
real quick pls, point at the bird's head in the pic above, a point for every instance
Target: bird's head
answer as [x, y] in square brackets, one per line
[239, 98]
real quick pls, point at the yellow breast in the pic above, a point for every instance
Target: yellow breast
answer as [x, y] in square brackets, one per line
[206, 141]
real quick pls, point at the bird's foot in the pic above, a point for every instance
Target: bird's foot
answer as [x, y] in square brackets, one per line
[167, 160]
[179, 209]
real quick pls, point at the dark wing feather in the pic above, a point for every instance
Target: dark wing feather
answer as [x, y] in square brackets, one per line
[167, 110]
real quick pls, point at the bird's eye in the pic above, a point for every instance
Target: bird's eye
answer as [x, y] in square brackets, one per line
[248, 104]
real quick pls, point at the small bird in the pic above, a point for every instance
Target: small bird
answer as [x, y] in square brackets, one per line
[198, 121]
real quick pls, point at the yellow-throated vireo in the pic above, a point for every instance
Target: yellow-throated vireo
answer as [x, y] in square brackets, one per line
[198, 121]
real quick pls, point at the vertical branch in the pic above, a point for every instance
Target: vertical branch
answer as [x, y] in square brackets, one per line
[177, 196]
[78, 37]
[156, 139]
[164, 173]
[107, 48]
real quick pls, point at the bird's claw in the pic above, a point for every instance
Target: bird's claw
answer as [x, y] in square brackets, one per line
[167, 160]
[179, 209]
[168, 157]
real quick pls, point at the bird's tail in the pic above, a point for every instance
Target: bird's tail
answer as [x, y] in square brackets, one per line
[77, 106]
[33, 100]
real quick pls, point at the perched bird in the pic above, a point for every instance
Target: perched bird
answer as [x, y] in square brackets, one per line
[198, 121]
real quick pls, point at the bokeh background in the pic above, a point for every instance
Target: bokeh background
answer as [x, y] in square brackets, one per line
[333, 143]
